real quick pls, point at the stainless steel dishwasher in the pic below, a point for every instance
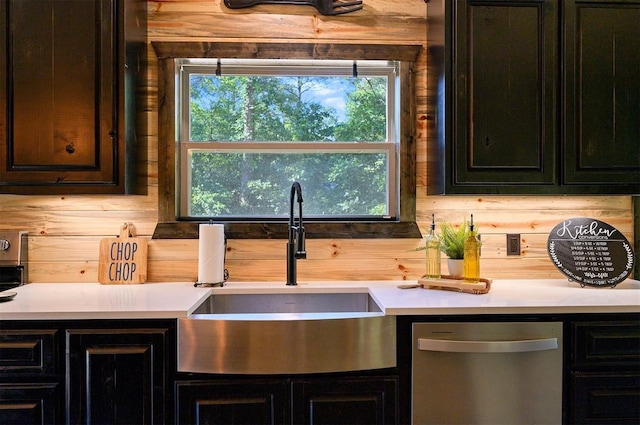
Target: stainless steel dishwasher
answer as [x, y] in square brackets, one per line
[487, 373]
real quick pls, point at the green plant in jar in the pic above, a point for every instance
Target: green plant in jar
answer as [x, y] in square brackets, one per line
[452, 239]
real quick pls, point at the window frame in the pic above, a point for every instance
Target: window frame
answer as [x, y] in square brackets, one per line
[171, 227]
[185, 68]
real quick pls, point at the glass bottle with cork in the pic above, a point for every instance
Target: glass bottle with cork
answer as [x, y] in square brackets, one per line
[433, 252]
[472, 255]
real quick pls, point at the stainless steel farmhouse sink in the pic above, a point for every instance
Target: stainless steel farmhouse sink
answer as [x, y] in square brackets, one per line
[286, 333]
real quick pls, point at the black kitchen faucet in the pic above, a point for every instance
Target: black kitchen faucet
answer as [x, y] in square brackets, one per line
[295, 245]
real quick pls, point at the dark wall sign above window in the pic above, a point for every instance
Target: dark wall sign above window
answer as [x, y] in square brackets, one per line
[590, 252]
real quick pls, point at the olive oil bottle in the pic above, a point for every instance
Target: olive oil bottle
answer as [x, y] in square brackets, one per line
[472, 255]
[433, 252]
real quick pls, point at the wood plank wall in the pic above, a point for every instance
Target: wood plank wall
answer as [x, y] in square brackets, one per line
[64, 231]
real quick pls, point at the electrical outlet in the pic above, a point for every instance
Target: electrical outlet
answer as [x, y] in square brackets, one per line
[513, 244]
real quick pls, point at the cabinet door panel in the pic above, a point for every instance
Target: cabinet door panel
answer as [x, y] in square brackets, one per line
[505, 76]
[241, 402]
[116, 376]
[602, 113]
[345, 401]
[60, 103]
[55, 83]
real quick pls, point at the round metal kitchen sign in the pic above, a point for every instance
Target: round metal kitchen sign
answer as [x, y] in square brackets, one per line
[590, 252]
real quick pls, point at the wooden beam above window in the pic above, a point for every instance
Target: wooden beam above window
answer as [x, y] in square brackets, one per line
[173, 50]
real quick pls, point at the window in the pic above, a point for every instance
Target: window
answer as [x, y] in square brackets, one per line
[268, 144]
[249, 128]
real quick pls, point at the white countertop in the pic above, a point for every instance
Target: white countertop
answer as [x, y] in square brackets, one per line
[49, 301]
[513, 297]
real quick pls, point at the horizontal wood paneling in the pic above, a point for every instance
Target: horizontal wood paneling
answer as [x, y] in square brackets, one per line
[65, 231]
[378, 21]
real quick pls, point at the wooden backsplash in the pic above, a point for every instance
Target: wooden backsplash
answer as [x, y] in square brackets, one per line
[64, 232]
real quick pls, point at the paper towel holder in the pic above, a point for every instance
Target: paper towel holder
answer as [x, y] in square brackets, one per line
[225, 273]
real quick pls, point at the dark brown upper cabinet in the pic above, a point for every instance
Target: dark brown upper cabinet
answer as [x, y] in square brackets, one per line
[602, 94]
[535, 97]
[68, 76]
[505, 76]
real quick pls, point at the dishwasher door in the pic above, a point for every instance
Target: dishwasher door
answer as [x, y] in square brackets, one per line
[487, 373]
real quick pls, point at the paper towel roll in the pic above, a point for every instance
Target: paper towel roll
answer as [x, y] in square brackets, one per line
[211, 253]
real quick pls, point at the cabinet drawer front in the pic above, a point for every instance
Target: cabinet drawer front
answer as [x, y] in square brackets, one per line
[28, 352]
[605, 398]
[606, 343]
[29, 403]
[345, 400]
[250, 401]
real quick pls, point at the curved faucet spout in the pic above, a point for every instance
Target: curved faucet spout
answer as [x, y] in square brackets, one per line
[296, 243]
[296, 191]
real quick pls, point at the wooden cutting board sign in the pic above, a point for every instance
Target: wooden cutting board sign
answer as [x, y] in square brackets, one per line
[123, 259]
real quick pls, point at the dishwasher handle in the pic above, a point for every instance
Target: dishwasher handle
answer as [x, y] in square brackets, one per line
[517, 346]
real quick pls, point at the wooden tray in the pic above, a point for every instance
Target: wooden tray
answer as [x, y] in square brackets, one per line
[453, 283]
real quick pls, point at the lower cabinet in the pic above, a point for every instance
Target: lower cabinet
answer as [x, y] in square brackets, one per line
[74, 372]
[601, 363]
[116, 371]
[309, 400]
[604, 373]
[116, 376]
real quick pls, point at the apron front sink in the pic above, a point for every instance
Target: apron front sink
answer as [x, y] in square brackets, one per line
[286, 333]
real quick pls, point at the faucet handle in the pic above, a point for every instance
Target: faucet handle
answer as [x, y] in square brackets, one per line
[300, 253]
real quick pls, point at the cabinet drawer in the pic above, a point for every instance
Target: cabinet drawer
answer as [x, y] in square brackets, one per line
[28, 352]
[606, 343]
[24, 403]
[251, 401]
[605, 398]
[30, 403]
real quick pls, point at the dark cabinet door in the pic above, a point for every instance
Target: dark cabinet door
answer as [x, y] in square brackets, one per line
[348, 401]
[249, 402]
[116, 376]
[62, 97]
[504, 65]
[602, 105]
